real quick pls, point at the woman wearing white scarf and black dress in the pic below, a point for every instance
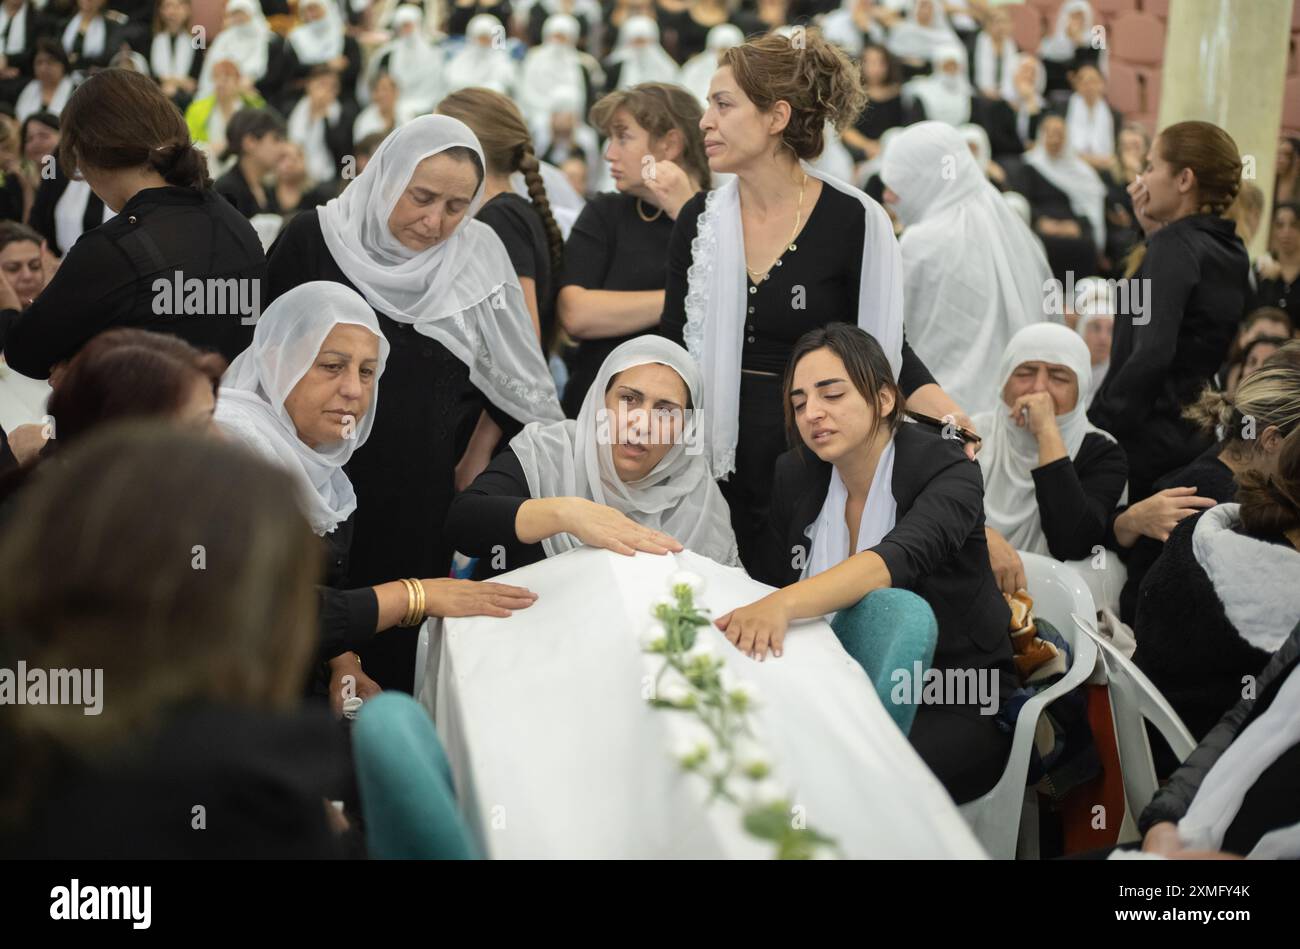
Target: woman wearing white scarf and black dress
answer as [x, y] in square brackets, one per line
[643, 485]
[320, 40]
[89, 38]
[303, 397]
[447, 300]
[844, 265]
[1052, 480]
[19, 23]
[173, 58]
[1068, 201]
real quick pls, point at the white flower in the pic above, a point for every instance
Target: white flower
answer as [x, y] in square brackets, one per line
[702, 649]
[752, 759]
[694, 749]
[675, 693]
[764, 793]
[655, 637]
[689, 579]
[744, 695]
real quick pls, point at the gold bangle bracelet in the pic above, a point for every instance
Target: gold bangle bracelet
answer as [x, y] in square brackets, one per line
[410, 603]
[419, 615]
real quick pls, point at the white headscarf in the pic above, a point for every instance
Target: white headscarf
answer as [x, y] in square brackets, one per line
[1009, 93]
[1090, 129]
[486, 66]
[840, 28]
[716, 301]
[648, 63]
[678, 497]
[246, 45]
[1077, 179]
[171, 55]
[1094, 300]
[910, 40]
[1058, 47]
[1010, 453]
[828, 536]
[251, 407]
[553, 67]
[309, 135]
[415, 64]
[320, 40]
[973, 273]
[946, 98]
[975, 135]
[698, 71]
[462, 292]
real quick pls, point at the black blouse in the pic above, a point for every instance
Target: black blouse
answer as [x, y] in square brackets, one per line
[235, 188]
[814, 284]
[108, 280]
[520, 228]
[611, 248]
[1077, 497]
[481, 521]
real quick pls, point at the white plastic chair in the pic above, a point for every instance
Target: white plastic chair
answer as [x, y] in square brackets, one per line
[1134, 700]
[1009, 812]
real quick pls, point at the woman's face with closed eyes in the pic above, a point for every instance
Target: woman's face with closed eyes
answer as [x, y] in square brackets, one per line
[435, 201]
[833, 417]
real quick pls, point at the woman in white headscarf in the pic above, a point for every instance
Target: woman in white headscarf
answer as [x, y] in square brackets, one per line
[961, 308]
[1070, 44]
[638, 57]
[1052, 480]
[320, 40]
[1068, 199]
[554, 67]
[978, 141]
[854, 25]
[446, 297]
[629, 474]
[699, 69]
[484, 60]
[996, 54]
[245, 40]
[944, 95]
[742, 288]
[303, 397]
[414, 63]
[915, 39]
[561, 129]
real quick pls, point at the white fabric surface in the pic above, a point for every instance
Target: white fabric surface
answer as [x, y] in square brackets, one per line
[679, 497]
[974, 274]
[715, 303]
[22, 400]
[556, 752]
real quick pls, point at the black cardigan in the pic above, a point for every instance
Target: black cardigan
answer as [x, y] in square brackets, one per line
[1077, 497]
[481, 519]
[107, 280]
[936, 549]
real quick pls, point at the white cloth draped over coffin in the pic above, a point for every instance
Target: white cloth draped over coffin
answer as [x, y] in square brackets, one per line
[556, 752]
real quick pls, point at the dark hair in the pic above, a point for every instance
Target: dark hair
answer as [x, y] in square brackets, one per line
[12, 232]
[127, 373]
[1291, 206]
[1270, 504]
[98, 572]
[660, 107]
[820, 83]
[893, 65]
[863, 360]
[54, 49]
[1211, 154]
[465, 153]
[322, 69]
[48, 119]
[369, 143]
[120, 119]
[255, 122]
[507, 147]
[157, 16]
[1257, 315]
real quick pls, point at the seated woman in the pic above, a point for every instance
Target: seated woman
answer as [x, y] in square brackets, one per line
[1052, 480]
[1251, 424]
[198, 673]
[1221, 599]
[882, 504]
[1068, 200]
[301, 396]
[1235, 794]
[562, 484]
[256, 142]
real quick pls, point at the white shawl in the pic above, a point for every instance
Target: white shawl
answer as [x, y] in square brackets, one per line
[678, 497]
[16, 26]
[488, 66]
[171, 56]
[415, 64]
[946, 98]
[320, 40]
[1010, 453]
[309, 135]
[648, 62]
[250, 405]
[1058, 47]
[1078, 180]
[716, 301]
[910, 40]
[29, 100]
[994, 68]
[462, 292]
[1090, 129]
[246, 45]
[828, 535]
[973, 271]
[698, 71]
[93, 43]
[554, 67]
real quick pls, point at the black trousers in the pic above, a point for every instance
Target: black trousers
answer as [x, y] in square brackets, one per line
[966, 750]
[748, 489]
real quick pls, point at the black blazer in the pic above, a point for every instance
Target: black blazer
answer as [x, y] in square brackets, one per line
[936, 549]
[107, 280]
[48, 193]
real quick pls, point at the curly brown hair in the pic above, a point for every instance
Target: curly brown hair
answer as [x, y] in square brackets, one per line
[814, 76]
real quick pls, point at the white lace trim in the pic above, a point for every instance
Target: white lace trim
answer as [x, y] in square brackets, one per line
[699, 280]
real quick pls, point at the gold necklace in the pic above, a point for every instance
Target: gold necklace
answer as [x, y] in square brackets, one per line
[758, 276]
[641, 214]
